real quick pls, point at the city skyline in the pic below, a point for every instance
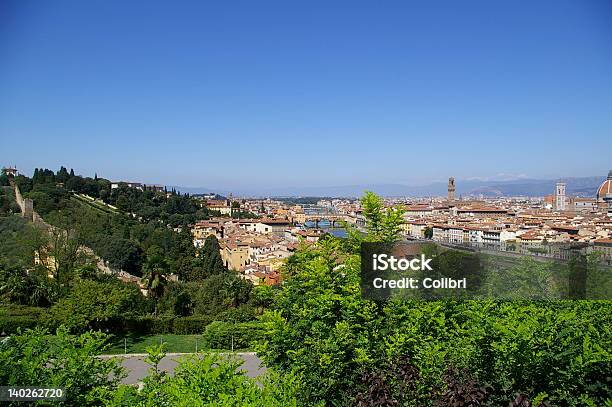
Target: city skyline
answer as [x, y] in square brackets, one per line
[472, 187]
[236, 97]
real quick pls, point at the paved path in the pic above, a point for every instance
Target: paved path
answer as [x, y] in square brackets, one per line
[137, 368]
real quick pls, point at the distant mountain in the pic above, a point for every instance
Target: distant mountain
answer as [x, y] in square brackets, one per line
[577, 186]
[584, 186]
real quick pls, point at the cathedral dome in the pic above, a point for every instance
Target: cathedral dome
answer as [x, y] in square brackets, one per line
[605, 189]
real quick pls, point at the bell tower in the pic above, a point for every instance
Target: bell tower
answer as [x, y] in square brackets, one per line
[451, 189]
[560, 196]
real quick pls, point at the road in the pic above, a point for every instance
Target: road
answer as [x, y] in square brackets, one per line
[137, 368]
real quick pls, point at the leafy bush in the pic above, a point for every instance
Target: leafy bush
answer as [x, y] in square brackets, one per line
[97, 305]
[190, 325]
[35, 358]
[137, 325]
[162, 325]
[15, 317]
[243, 313]
[148, 324]
[206, 380]
[345, 347]
[227, 335]
[10, 324]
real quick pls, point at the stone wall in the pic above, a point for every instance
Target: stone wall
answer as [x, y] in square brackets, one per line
[25, 204]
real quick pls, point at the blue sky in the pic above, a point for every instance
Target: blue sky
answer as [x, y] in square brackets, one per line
[312, 93]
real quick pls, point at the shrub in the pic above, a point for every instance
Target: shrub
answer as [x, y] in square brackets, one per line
[162, 325]
[10, 324]
[190, 325]
[14, 317]
[226, 335]
[243, 313]
[148, 325]
[35, 358]
[207, 380]
[344, 346]
[138, 325]
[96, 305]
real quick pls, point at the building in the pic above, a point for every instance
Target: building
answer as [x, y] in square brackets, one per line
[560, 196]
[604, 195]
[481, 211]
[235, 255]
[202, 229]
[418, 210]
[417, 229]
[211, 195]
[451, 189]
[10, 171]
[224, 207]
[139, 186]
[583, 204]
[274, 226]
[604, 246]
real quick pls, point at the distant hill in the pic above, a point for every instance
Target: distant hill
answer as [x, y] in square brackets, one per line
[193, 190]
[577, 186]
[584, 186]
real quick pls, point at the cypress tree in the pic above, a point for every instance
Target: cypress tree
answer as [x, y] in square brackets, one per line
[211, 256]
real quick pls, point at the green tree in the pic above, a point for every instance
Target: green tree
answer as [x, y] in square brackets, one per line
[210, 255]
[35, 358]
[122, 254]
[155, 270]
[4, 181]
[20, 286]
[320, 327]
[236, 289]
[176, 299]
[64, 252]
[97, 305]
[262, 297]
[382, 224]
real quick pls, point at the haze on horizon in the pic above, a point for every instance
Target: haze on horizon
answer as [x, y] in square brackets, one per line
[272, 94]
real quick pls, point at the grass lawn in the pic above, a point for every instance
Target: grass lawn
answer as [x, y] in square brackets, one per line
[138, 344]
[174, 343]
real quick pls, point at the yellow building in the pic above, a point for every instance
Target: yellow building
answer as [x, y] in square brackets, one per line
[235, 256]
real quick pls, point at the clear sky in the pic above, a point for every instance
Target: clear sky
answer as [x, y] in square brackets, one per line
[228, 94]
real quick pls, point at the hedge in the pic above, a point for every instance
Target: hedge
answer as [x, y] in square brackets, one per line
[190, 325]
[13, 317]
[148, 325]
[227, 335]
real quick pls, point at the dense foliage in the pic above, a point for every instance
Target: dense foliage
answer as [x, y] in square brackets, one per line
[63, 360]
[331, 346]
[141, 232]
[350, 350]
[37, 359]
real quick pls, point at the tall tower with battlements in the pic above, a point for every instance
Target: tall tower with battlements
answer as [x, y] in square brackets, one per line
[451, 189]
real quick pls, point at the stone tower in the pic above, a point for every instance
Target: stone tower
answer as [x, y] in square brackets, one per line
[560, 196]
[10, 171]
[451, 189]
